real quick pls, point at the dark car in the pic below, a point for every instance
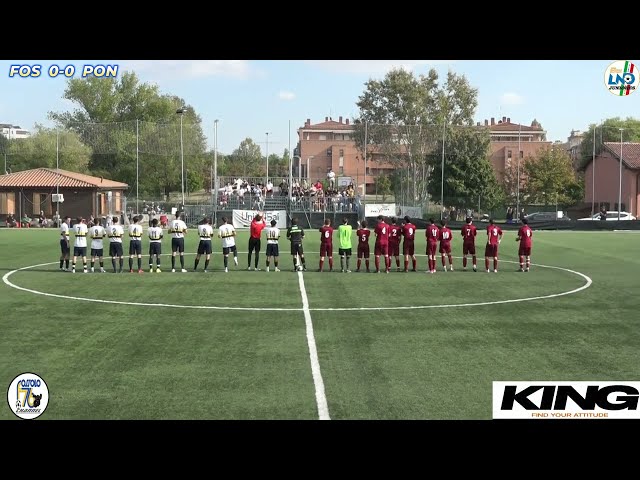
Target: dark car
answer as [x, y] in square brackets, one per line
[546, 217]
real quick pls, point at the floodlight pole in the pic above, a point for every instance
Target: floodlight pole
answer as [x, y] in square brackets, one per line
[620, 177]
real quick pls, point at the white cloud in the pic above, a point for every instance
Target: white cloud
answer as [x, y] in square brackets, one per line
[373, 67]
[181, 69]
[284, 95]
[511, 98]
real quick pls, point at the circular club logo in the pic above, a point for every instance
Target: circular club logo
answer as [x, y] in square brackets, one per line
[621, 78]
[28, 396]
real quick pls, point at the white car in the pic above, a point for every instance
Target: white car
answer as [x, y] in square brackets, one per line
[611, 216]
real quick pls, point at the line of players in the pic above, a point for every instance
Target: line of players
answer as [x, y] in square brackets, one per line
[388, 238]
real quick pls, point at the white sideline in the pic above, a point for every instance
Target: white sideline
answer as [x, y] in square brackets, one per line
[321, 399]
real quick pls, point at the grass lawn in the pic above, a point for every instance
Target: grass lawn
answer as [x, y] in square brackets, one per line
[235, 346]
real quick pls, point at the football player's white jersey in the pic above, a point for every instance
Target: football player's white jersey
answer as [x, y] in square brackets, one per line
[178, 228]
[226, 234]
[97, 234]
[135, 232]
[205, 231]
[115, 233]
[64, 231]
[155, 234]
[80, 230]
[273, 234]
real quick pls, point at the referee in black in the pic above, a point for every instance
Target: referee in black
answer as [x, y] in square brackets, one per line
[295, 234]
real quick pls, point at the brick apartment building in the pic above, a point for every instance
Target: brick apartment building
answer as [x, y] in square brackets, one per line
[507, 138]
[329, 145]
[607, 178]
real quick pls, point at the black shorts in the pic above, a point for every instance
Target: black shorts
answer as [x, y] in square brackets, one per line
[115, 249]
[344, 252]
[79, 251]
[155, 248]
[254, 244]
[226, 250]
[296, 249]
[97, 252]
[64, 247]
[272, 250]
[204, 247]
[177, 245]
[135, 247]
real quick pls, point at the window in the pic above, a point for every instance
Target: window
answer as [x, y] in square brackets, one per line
[322, 136]
[7, 203]
[346, 137]
[341, 153]
[509, 154]
[307, 136]
[341, 170]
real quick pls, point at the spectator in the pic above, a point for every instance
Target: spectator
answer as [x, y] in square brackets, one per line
[331, 176]
[603, 213]
[522, 215]
[509, 215]
[11, 221]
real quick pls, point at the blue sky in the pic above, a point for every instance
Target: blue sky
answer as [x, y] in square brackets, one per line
[251, 98]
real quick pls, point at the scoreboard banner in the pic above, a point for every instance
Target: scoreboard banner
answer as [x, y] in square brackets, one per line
[243, 218]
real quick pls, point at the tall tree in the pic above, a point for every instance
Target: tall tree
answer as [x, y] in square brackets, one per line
[246, 160]
[608, 131]
[468, 173]
[123, 121]
[404, 117]
[46, 148]
[551, 178]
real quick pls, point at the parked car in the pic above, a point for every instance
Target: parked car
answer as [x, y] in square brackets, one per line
[545, 217]
[611, 216]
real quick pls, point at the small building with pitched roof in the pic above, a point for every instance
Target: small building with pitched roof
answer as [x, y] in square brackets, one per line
[31, 191]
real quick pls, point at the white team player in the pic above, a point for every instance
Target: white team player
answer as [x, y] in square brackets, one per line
[273, 234]
[135, 244]
[205, 232]
[64, 244]
[115, 232]
[177, 229]
[155, 244]
[80, 244]
[97, 248]
[228, 235]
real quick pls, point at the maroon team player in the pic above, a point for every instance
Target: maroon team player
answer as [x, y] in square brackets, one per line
[433, 234]
[469, 232]
[408, 248]
[363, 245]
[382, 244]
[494, 234]
[326, 244]
[395, 234]
[525, 235]
[445, 245]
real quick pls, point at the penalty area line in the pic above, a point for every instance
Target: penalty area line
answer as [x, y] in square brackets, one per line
[321, 399]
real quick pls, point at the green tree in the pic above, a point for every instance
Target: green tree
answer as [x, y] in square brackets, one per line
[383, 186]
[404, 117]
[246, 160]
[129, 124]
[551, 178]
[608, 131]
[468, 173]
[39, 150]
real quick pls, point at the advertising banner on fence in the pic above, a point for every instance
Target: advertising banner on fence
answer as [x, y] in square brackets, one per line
[242, 218]
[375, 209]
[414, 212]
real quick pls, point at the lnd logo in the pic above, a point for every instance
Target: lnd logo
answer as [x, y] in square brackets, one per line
[621, 78]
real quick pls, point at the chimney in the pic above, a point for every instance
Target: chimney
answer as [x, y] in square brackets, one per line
[504, 119]
[508, 119]
[308, 122]
[493, 121]
[486, 122]
[346, 121]
[477, 124]
[326, 119]
[340, 120]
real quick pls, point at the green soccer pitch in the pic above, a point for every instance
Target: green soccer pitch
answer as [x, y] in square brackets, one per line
[285, 345]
